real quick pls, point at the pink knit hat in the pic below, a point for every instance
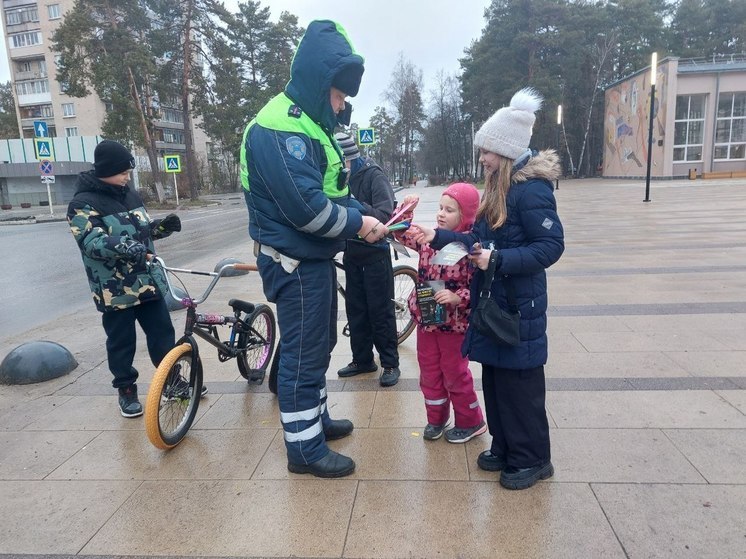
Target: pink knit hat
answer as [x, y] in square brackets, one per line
[467, 197]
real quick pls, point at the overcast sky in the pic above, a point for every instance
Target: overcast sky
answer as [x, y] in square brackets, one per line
[432, 34]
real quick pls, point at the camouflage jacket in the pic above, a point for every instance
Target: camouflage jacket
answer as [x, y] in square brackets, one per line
[103, 218]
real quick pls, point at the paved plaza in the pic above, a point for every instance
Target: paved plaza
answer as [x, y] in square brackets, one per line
[646, 398]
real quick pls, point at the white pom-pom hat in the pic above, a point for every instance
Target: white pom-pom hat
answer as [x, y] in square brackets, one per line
[508, 131]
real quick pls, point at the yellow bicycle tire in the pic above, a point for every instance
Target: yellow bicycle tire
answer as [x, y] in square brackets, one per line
[153, 402]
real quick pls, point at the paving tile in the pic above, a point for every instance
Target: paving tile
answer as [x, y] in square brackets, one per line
[643, 409]
[565, 342]
[230, 518]
[586, 324]
[95, 413]
[202, 454]
[736, 398]
[34, 454]
[612, 364]
[55, 517]
[416, 519]
[718, 454]
[711, 363]
[676, 520]
[382, 454]
[619, 456]
[21, 412]
[648, 341]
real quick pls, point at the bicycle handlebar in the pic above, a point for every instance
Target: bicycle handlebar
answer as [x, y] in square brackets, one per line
[153, 259]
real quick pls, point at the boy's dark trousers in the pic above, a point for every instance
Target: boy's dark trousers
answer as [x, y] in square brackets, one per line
[121, 338]
[369, 294]
[515, 403]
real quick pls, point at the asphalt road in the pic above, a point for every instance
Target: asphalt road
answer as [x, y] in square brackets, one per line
[43, 277]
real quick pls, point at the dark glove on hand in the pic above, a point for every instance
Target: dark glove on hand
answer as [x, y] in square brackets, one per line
[170, 223]
[135, 252]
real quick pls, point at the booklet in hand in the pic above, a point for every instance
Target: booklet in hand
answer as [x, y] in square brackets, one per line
[450, 254]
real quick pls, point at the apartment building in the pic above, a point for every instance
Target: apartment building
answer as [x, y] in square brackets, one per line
[29, 26]
[699, 120]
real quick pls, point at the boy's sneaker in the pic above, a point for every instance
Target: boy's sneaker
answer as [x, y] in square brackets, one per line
[389, 376]
[433, 432]
[129, 405]
[353, 369]
[459, 435]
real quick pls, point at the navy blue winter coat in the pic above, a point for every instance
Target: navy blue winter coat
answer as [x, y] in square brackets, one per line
[531, 240]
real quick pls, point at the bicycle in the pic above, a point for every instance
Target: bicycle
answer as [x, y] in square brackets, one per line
[405, 281]
[174, 394]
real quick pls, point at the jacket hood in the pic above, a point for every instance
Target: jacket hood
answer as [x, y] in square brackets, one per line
[542, 165]
[88, 182]
[324, 51]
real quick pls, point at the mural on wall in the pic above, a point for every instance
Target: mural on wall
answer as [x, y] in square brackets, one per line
[626, 124]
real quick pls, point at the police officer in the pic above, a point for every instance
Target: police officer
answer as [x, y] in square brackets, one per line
[300, 213]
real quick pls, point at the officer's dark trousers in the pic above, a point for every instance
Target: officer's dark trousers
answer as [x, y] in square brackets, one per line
[121, 338]
[369, 302]
[306, 302]
[516, 414]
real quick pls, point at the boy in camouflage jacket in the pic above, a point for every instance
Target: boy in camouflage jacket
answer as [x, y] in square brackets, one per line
[114, 234]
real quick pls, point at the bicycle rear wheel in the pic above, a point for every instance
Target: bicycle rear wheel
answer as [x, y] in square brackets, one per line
[173, 397]
[405, 281]
[258, 342]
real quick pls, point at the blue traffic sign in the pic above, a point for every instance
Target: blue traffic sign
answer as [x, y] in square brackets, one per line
[44, 149]
[41, 130]
[173, 163]
[46, 167]
[366, 136]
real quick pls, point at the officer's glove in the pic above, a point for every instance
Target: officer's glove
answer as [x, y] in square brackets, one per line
[135, 252]
[169, 224]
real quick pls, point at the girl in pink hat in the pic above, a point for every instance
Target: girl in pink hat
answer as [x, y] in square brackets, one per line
[445, 378]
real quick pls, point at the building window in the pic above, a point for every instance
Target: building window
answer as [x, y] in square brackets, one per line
[54, 11]
[730, 130]
[173, 136]
[68, 109]
[72, 131]
[689, 128]
[24, 14]
[173, 115]
[25, 39]
[32, 87]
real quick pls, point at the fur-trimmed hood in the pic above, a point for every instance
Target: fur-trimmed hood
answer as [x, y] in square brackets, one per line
[544, 164]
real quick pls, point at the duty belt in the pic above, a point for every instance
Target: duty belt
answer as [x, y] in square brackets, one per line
[288, 264]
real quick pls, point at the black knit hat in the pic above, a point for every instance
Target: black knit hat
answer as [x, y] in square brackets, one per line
[347, 145]
[348, 79]
[111, 158]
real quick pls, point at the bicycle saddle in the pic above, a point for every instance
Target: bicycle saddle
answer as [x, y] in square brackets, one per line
[239, 305]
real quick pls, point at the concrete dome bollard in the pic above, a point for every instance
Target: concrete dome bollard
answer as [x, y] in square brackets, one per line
[230, 273]
[36, 362]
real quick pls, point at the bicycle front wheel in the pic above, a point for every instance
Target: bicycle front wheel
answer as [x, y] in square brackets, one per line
[405, 281]
[256, 344]
[173, 397]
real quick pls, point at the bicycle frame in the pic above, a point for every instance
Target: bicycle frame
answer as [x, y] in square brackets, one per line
[204, 326]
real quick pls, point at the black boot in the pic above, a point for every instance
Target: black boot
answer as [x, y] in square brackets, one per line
[337, 429]
[331, 465]
[356, 369]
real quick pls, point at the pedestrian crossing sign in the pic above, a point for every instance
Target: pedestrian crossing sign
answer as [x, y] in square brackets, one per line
[366, 136]
[173, 163]
[44, 149]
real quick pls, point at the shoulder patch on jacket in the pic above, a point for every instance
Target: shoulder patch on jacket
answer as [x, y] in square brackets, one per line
[296, 147]
[295, 111]
[547, 223]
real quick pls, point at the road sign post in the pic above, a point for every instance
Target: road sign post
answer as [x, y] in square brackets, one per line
[49, 179]
[173, 166]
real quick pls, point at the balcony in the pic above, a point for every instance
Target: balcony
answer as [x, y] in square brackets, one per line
[21, 76]
[35, 99]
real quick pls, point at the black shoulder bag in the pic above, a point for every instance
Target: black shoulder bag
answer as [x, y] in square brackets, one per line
[501, 326]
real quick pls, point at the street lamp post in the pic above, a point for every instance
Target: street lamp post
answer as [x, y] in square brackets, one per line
[653, 64]
[559, 126]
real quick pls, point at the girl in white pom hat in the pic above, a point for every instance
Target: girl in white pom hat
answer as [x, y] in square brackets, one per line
[519, 232]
